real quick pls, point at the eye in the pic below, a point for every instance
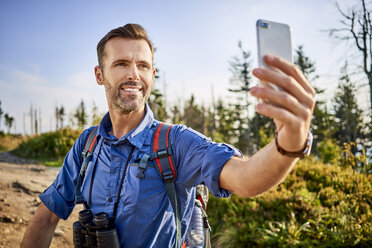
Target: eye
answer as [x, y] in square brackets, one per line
[121, 64]
[144, 66]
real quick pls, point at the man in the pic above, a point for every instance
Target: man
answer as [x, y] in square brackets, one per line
[145, 216]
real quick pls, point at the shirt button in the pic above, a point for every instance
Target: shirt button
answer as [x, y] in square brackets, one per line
[109, 199]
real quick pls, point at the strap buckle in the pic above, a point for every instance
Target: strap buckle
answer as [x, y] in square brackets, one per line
[163, 153]
[168, 176]
[85, 153]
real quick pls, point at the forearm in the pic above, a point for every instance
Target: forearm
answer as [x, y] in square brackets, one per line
[41, 229]
[257, 174]
[291, 109]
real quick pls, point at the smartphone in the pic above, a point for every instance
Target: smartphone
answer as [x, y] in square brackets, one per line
[273, 38]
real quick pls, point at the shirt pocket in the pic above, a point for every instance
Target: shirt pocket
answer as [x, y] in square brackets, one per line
[147, 197]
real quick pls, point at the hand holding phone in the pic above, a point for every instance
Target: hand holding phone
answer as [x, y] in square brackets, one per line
[292, 107]
[273, 38]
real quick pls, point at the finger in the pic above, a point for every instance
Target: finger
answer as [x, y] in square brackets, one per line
[290, 69]
[286, 82]
[281, 99]
[282, 80]
[278, 114]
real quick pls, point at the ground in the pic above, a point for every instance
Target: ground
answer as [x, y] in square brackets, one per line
[21, 182]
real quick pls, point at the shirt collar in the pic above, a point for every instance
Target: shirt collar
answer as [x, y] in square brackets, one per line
[136, 137]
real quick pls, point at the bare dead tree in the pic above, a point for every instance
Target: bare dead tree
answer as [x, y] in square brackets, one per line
[357, 27]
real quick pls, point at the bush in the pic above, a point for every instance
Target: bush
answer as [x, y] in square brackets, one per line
[9, 141]
[317, 205]
[329, 151]
[48, 146]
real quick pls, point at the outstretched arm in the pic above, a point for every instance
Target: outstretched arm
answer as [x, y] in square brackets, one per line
[291, 111]
[41, 229]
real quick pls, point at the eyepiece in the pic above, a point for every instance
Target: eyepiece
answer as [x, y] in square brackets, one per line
[85, 216]
[101, 219]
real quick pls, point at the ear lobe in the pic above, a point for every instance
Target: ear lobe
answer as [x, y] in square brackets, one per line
[99, 75]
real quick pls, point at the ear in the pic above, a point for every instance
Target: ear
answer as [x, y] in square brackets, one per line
[99, 75]
[153, 76]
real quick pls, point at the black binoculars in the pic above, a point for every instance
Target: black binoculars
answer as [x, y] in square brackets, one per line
[97, 234]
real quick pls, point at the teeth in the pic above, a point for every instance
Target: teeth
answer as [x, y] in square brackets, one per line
[131, 90]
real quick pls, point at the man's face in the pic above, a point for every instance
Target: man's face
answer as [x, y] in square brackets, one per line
[127, 74]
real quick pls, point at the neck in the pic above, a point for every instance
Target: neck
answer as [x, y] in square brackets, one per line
[124, 123]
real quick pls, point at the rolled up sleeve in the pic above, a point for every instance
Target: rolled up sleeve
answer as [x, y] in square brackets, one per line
[200, 161]
[59, 197]
[55, 202]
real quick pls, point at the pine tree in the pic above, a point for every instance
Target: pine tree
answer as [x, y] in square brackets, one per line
[240, 67]
[96, 117]
[176, 115]
[348, 116]
[156, 99]
[157, 105]
[357, 27]
[321, 123]
[81, 115]
[225, 130]
[262, 130]
[193, 115]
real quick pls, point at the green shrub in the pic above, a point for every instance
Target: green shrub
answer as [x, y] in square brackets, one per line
[48, 146]
[329, 151]
[317, 205]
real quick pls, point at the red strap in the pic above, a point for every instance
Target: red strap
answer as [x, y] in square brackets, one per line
[92, 144]
[201, 201]
[156, 145]
[156, 148]
[169, 157]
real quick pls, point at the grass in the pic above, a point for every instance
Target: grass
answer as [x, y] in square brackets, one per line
[10, 142]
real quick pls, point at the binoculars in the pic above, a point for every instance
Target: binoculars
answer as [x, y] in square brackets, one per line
[97, 234]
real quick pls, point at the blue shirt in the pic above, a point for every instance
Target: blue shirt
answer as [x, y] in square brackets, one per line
[145, 216]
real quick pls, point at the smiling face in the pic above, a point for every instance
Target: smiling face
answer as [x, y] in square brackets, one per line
[127, 74]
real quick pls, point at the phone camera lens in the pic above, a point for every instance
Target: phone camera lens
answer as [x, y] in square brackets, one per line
[264, 24]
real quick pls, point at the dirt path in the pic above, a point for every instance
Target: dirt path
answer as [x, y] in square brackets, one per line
[20, 185]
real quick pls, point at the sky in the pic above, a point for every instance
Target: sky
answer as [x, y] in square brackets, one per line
[48, 47]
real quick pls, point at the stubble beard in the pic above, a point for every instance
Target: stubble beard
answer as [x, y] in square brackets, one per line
[126, 104]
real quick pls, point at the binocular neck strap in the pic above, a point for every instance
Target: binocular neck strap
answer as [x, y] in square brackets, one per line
[89, 204]
[121, 186]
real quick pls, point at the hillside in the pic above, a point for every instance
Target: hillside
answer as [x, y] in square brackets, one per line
[317, 205]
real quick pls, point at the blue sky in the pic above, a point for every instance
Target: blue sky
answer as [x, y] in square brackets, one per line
[48, 47]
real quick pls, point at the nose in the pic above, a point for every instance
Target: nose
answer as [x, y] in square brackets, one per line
[133, 74]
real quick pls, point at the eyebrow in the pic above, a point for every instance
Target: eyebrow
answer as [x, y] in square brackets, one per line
[127, 60]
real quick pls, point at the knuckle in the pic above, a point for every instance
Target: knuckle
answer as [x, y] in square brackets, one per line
[286, 98]
[312, 91]
[311, 101]
[307, 113]
[294, 70]
[289, 81]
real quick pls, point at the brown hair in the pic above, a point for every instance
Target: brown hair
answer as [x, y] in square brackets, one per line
[129, 31]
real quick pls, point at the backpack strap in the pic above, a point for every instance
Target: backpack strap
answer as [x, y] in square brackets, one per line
[164, 164]
[87, 156]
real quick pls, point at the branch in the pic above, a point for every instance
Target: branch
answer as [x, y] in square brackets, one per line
[353, 32]
[341, 12]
